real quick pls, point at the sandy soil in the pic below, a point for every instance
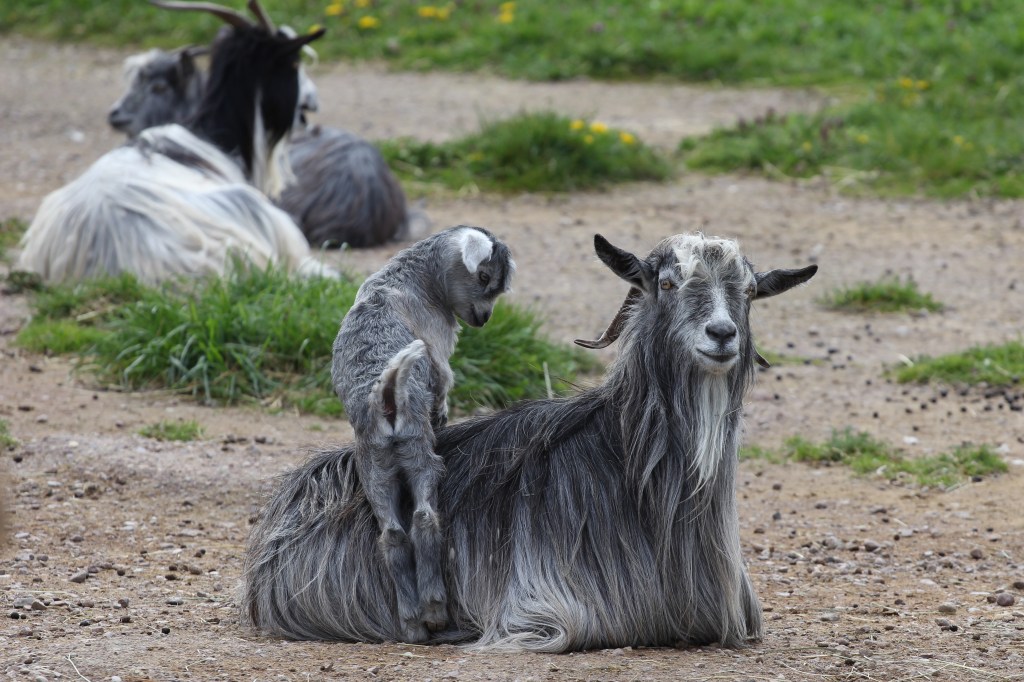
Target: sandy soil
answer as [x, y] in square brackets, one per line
[125, 552]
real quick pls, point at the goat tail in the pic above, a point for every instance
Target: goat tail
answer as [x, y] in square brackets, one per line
[392, 395]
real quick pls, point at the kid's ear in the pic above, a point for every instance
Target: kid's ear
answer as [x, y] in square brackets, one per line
[475, 246]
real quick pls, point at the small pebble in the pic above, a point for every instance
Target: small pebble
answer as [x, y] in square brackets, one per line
[871, 545]
[947, 608]
[977, 554]
[1005, 599]
[79, 577]
[175, 601]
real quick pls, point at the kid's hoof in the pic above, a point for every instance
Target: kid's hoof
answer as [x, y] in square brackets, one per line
[414, 633]
[435, 616]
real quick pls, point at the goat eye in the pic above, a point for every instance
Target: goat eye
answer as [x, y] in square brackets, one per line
[667, 284]
[484, 278]
[158, 87]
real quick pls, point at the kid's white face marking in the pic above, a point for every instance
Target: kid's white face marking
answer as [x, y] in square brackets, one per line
[476, 247]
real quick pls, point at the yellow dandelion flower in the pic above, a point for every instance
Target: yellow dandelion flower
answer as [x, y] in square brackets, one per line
[507, 7]
[863, 138]
[427, 11]
[577, 124]
[807, 146]
[589, 139]
[922, 85]
[366, 23]
[958, 140]
[314, 28]
[627, 138]
[363, 3]
[906, 83]
[506, 17]
[334, 9]
[598, 127]
[443, 13]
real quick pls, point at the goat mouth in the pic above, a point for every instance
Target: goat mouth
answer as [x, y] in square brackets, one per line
[722, 358]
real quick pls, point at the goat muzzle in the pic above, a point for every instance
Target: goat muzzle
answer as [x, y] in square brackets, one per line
[615, 327]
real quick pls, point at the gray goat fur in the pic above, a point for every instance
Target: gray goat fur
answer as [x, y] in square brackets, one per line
[391, 371]
[607, 519]
[343, 193]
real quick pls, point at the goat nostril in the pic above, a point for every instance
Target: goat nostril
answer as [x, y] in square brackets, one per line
[721, 331]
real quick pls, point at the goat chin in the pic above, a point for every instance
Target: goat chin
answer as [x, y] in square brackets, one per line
[168, 205]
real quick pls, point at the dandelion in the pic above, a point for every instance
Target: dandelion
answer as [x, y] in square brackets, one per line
[862, 138]
[444, 12]
[577, 124]
[598, 127]
[363, 4]
[427, 12]
[507, 7]
[958, 140]
[367, 23]
[906, 83]
[588, 139]
[922, 85]
[334, 9]
[506, 17]
[314, 28]
[807, 146]
[627, 138]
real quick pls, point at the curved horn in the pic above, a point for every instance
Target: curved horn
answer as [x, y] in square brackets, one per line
[257, 9]
[197, 50]
[224, 13]
[615, 327]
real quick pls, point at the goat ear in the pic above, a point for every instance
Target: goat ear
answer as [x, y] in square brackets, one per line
[186, 65]
[777, 281]
[293, 45]
[475, 248]
[624, 264]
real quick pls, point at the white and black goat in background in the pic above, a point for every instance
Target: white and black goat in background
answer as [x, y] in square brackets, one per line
[344, 192]
[391, 371]
[607, 519]
[180, 201]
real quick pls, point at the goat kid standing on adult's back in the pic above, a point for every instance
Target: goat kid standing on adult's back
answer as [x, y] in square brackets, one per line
[391, 371]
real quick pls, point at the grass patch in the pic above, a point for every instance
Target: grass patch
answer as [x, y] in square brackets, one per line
[11, 230]
[995, 365]
[7, 441]
[866, 455]
[176, 431]
[530, 152]
[260, 335]
[885, 296]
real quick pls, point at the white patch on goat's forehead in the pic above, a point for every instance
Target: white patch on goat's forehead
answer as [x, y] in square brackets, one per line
[692, 252]
[135, 63]
[475, 246]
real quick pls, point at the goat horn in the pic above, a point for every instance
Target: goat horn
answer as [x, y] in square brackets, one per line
[224, 13]
[196, 50]
[615, 328]
[761, 360]
[257, 9]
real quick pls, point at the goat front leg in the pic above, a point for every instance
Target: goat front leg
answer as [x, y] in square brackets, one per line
[383, 492]
[425, 474]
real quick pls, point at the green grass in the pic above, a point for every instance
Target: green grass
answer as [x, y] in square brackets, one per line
[995, 365]
[530, 152]
[866, 455]
[7, 441]
[11, 230]
[258, 335]
[176, 431]
[885, 296]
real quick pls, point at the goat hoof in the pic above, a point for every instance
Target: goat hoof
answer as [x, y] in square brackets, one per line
[414, 633]
[435, 616]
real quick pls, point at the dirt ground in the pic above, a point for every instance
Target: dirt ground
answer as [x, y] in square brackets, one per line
[124, 553]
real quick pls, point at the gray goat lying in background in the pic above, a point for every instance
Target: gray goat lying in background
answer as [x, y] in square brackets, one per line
[607, 519]
[343, 193]
[391, 371]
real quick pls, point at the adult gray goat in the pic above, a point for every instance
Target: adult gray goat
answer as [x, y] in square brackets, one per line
[182, 201]
[606, 519]
[344, 192]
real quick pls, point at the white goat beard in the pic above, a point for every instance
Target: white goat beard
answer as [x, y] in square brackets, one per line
[711, 430]
[271, 169]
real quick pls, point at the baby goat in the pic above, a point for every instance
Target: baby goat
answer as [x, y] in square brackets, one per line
[391, 371]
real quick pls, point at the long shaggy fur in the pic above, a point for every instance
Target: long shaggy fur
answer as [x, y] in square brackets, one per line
[343, 193]
[569, 524]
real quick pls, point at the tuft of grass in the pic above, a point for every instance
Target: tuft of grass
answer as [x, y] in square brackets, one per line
[11, 230]
[866, 455]
[177, 431]
[996, 365]
[261, 335]
[530, 152]
[885, 296]
[7, 441]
